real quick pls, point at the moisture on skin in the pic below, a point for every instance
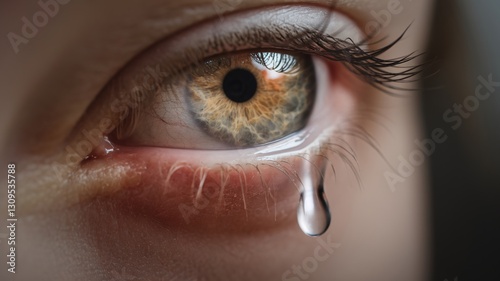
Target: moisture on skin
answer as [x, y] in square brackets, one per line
[281, 105]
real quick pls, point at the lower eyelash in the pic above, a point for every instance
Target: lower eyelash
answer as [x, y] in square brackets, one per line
[334, 147]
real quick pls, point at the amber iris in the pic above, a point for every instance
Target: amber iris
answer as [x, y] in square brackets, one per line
[251, 99]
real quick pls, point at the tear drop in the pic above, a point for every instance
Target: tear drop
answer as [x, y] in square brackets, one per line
[313, 214]
[103, 149]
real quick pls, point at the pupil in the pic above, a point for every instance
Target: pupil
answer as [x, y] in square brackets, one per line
[239, 85]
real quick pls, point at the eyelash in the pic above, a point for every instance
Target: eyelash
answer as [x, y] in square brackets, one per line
[367, 64]
[374, 70]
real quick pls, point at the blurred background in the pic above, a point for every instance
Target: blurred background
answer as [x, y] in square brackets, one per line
[465, 170]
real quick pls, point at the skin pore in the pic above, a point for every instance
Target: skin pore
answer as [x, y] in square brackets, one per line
[103, 220]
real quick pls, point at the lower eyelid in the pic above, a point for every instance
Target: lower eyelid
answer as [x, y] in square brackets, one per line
[177, 191]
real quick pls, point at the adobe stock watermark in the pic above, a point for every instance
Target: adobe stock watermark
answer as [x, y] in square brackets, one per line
[453, 116]
[223, 6]
[31, 26]
[382, 18]
[310, 264]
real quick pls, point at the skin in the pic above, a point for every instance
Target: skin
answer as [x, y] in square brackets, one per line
[69, 231]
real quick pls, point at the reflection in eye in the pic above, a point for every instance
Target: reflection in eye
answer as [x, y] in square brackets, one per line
[252, 98]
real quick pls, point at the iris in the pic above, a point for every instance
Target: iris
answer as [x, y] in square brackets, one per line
[250, 99]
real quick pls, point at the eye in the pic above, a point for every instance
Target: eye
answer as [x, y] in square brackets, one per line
[250, 109]
[238, 100]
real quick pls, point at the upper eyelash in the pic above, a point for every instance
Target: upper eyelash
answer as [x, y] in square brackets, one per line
[384, 74]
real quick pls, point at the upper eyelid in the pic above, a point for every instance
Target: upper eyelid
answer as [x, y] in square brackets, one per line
[175, 55]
